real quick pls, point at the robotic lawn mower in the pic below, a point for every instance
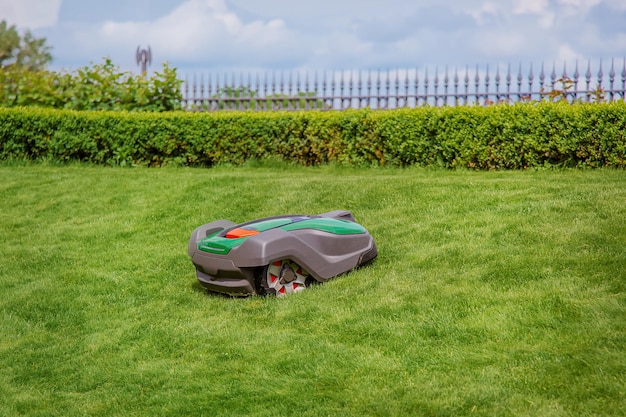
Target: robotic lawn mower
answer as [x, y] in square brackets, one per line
[278, 255]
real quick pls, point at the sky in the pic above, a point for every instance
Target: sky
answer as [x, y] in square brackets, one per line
[292, 35]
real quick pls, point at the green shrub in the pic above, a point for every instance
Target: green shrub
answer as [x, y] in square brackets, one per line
[96, 87]
[520, 136]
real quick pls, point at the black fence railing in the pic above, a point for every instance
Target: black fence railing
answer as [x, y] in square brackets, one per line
[386, 89]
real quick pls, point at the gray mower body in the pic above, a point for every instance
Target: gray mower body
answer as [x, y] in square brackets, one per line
[234, 258]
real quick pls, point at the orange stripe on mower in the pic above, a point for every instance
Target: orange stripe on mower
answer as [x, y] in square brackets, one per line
[240, 232]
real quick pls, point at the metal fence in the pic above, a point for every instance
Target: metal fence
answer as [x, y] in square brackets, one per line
[387, 89]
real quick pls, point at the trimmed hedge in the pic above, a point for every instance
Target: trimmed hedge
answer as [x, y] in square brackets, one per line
[516, 136]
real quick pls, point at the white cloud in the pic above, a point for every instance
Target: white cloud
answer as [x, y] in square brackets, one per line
[30, 14]
[584, 4]
[577, 7]
[531, 6]
[541, 8]
[485, 13]
[567, 53]
[198, 27]
[494, 44]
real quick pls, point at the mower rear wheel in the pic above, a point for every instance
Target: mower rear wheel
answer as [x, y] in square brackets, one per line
[283, 277]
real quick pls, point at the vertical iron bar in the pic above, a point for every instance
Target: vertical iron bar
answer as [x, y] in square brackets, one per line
[497, 84]
[240, 91]
[273, 94]
[202, 96]
[575, 79]
[416, 86]
[406, 88]
[600, 75]
[542, 78]
[446, 80]
[508, 84]
[316, 88]
[208, 93]
[257, 93]
[324, 89]
[565, 82]
[387, 90]
[397, 90]
[194, 89]
[425, 99]
[282, 94]
[333, 85]
[293, 91]
[186, 96]
[249, 92]
[218, 92]
[588, 80]
[341, 90]
[624, 80]
[519, 82]
[369, 88]
[466, 81]
[233, 99]
[531, 78]
[378, 89]
[477, 85]
[487, 85]
[296, 91]
[611, 80]
[456, 85]
[350, 88]
[436, 85]
[359, 87]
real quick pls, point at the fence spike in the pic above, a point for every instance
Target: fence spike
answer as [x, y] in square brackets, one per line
[497, 79]
[624, 79]
[445, 86]
[507, 80]
[576, 76]
[416, 84]
[426, 85]
[487, 84]
[519, 82]
[406, 88]
[600, 75]
[497, 83]
[466, 81]
[456, 85]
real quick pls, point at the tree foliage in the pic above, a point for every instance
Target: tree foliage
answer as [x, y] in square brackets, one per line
[95, 87]
[27, 51]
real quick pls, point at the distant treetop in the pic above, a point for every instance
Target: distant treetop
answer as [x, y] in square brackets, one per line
[24, 51]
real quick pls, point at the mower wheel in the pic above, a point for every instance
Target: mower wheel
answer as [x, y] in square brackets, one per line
[283, 277]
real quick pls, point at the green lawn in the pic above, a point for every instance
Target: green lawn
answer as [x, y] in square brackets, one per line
[494, 293]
